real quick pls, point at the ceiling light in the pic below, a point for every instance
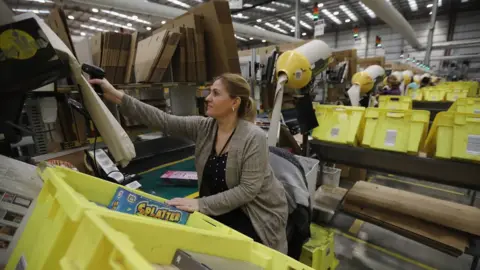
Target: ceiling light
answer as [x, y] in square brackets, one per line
[430, 13]
[251, 38]
[149, 28]
[95, 10]
[286, 24]
[259, 20]
[277, 25]
[36, 11]
[336, 13]
[439, 3]
[240, 16]
[464, 1]
[320, 5]
[264, 8]
[128, 24]
[116, 31]
[331, 16]
[124, 16]
[302, 23]
[71, 17]
[347, 20]
[281, 4]
[112, 23]
[305, 1]
[429, 5]
[368, 10]
[293, 30]
[304, 34]
[91, 27]
[276, 28]
[247, 5]
[240, 38]
[179, 3]
[349, 13]
[41, 1]
[164, 22]
[263, 40]
[413, 5]
[82, 33]
[309, 15]
[259, 27]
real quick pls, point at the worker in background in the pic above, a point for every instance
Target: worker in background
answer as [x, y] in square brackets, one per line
[425, 82]
[237, 185]
[413, 86]
[393, 86]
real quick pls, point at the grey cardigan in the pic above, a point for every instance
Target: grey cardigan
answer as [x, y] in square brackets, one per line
[250, 179]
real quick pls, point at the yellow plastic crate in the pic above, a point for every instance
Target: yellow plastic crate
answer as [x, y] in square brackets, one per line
[466, 105]
[395, 130]
[338, 124]
[60, 207]
[105, 240]
[455, 135]
[455, 94]
[415, 94]
[395, 102]
[434, 94]
[319, 251]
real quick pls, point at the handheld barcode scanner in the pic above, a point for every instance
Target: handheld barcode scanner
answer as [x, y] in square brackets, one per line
[95, 73]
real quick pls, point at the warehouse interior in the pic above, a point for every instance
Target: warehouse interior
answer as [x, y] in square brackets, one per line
[370, 111]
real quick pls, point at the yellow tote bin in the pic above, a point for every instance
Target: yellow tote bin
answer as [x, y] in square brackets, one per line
[453, 95]
[415, 94]
[466, 105]
[455, 135]
[395, 102]
[105, 240]
[434, 94]
[338, 124]
[60, 207]
[395, 130]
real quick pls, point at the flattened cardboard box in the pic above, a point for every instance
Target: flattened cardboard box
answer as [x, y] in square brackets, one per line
[58, 22]
[166, 57]
[220, 43]
[122, 60]
[146, 56]
[96, 49]
[191, 65]
[131, 58]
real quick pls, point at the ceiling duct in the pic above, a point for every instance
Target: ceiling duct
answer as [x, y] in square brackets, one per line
[390, 15]
[157, 10]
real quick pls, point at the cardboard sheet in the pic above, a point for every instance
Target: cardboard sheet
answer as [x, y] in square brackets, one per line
[58, 23]
[131, 58]
[146, 56]
[113, 134]
[166, 56]
[191, 65]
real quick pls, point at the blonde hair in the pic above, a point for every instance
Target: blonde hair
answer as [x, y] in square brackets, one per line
[237, 86]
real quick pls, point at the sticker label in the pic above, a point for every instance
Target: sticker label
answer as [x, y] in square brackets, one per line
[476, 111]
[473, 145]
[433, 97]
[390, 137]
[134, 185]
[334, 132]
[298, 75]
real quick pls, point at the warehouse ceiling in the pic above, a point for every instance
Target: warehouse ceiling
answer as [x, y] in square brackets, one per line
[275, 16]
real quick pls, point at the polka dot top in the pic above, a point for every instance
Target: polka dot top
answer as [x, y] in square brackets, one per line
[214, 175]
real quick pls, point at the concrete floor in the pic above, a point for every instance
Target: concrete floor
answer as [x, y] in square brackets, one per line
[372, 247]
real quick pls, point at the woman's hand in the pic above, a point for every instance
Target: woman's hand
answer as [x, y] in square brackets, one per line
[189, 205]
[109, 92]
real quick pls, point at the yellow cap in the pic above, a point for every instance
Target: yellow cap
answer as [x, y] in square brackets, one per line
[297, 68]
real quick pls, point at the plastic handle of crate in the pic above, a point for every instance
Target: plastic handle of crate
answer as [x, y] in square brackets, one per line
[396, 114]
[473, 119]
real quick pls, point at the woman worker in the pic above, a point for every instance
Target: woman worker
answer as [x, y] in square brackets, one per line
[237, 185]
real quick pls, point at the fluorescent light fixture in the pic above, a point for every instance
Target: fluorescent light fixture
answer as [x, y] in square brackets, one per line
[128, 24]
[36, 11]
[82, 33]
[240, 38]
[112, 23]
[281, 4]
[124, 16]
[71, 17]
[305, 1]
[389, 1]
[284, 23]
[276, 28]
[348, 13]
[91, 27]
[293, 30]
[309, 15]
[247, 5]
[336, 13]
[430, 13]
[302, 23]
[413, 5]
[320, 5]
[164, 22]
[464, 1]
[149, 28]
[331, 16]
[251, 38]
[259, 20]
[347, 20]
[264, 8]
[263, 40]
[179, 3]
[259, 27]
[94, 10]
[440, 3]
[240, 16]
[368, 10]
[304, 34]
[429, 5]
[41, 1]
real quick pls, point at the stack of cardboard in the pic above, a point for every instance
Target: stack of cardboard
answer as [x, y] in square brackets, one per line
[110, 51]
[154, 55]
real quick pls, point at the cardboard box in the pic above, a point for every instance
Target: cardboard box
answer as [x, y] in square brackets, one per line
[123, 58]
[96, 48]
[178, 64]
[58, 22]
[351, 173]
[146, 56]
[190, 48]
[131, 58]
[220, 43]
[166, 56]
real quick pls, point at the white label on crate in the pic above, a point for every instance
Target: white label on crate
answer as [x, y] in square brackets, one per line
[455, 97]
[298, 74]
[473, 145]
[134, 185]
[390, 137]
[433, 97]
[22, 263]
[477, 111]
[334, 132]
